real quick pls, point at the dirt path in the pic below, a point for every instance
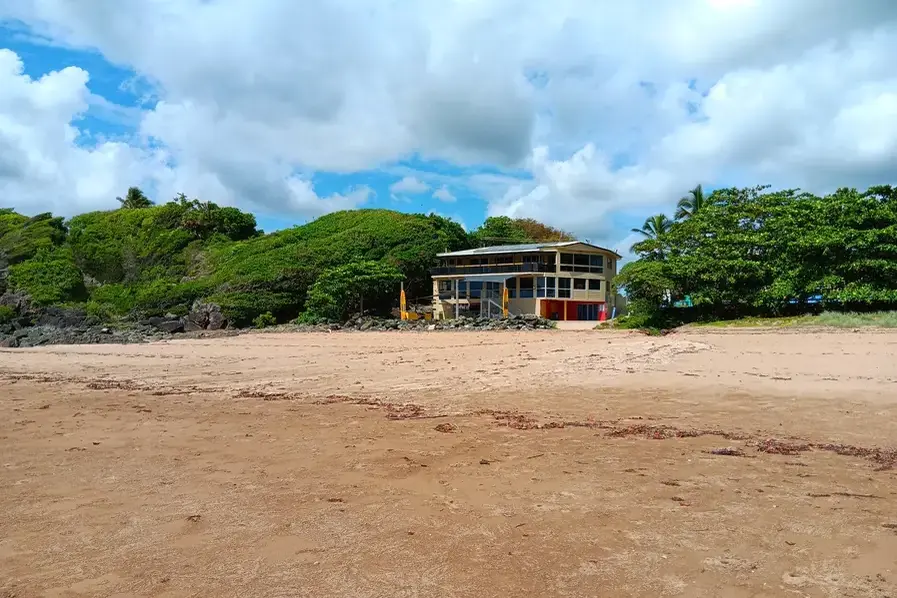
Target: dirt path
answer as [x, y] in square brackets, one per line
[452, 464]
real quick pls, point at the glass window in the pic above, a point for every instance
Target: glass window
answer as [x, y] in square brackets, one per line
[504, 259]
[564, 288]
[462, 287]
[550, 286]
[581, 259]
[579, 284]
[566, 258]
[526, 288]
[594, 285]
[596, 260]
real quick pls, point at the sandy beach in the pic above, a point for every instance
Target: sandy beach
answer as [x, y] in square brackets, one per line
[549, 463]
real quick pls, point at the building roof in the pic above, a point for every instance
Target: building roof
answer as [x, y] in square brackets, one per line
[523, 248]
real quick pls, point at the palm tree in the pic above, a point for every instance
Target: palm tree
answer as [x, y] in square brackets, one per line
[134, 199]
[654, 228]
[691, 204]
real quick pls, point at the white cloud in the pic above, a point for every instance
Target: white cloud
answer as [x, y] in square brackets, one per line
[42, 168]
[410, 185]
[444, 195]
[45, 166]
[614, 109]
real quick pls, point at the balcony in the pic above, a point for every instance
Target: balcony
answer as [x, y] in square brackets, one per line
[508, 269]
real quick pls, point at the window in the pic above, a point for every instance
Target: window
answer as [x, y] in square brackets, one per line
[582, 262]
[579, 284]
[545, 286]
[566, 262]
[504, 259]
[462, 287]
[526, 288]
[564, 288]
[445, 286]
[594, 285]
[531, 259]
[476, 288]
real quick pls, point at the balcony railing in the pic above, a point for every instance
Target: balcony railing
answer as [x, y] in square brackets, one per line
[492, 269]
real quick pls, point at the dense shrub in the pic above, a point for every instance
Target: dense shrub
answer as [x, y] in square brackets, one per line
[264, 320]
[241, 308]
[49, 277]
[22, 237]
[356, 287]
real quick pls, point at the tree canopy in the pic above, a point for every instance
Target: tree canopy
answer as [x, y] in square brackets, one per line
[503, 230]
[754, 250]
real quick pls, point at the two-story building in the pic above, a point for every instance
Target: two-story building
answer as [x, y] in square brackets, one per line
[568, 280]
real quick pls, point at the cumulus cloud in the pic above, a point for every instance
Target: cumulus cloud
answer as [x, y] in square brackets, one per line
[410, 185]
[444, 195]
[45, 165]
[42, 166]
[590, 110]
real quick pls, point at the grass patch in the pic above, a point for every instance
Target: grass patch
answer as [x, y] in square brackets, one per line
[757, 322]
[879, 319]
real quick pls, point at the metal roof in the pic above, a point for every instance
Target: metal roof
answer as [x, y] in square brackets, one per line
[522, 248]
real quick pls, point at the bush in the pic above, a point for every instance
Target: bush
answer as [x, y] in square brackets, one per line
[242, 308]
[7, 314]
[101, 312]
[21, 237]
[49, 277]
[308, 319]
[264, 320]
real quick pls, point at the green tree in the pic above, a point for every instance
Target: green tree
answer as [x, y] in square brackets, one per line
[691, 204]
[756, 251]
[134, 199]
[363, 286]
[499, 230]
[537, 232]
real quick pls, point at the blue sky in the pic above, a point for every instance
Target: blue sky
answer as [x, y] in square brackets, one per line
[588, 115]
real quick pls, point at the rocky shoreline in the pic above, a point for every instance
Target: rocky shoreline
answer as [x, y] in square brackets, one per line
[72, 326]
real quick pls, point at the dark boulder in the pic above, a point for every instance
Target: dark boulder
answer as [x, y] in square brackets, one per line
[205, 316]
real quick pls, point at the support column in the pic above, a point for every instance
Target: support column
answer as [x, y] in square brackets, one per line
[456, 298]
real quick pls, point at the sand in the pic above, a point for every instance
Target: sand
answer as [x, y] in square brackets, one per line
[452, 464]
